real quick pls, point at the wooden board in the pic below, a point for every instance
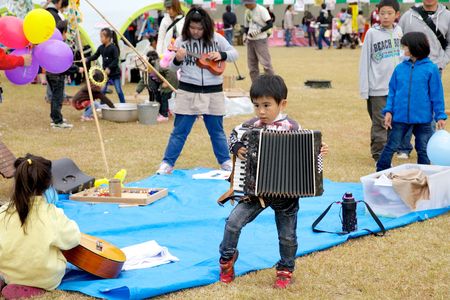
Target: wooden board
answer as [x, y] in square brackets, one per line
[7, 160]
[130, 196]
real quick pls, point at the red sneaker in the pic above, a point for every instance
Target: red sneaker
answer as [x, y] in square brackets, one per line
[227, 269]
[16, 291]
[284, 278]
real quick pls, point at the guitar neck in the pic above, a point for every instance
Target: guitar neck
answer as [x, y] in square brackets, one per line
[196, 55]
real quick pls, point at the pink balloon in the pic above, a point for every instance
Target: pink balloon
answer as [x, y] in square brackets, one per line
[11, 33]
[54, 56]
[23, 75]
[56, 35]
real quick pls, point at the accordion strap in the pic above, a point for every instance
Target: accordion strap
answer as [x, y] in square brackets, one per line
[374, 216]
[229, 195]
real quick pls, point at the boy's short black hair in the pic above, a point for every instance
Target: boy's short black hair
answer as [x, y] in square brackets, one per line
[152, 56]
[417, 43]
[62, 26]
[269, 86]
[98, 76]
[392, 3]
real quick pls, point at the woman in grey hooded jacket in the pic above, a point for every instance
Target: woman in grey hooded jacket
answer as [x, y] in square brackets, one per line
[200, 92]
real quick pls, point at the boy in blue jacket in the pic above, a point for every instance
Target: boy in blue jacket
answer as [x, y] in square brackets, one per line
[415, 92]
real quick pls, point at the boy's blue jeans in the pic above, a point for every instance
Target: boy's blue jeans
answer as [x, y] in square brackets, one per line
[322, 38]
[285, 217]
[182, 127]
[405, 146]
[88, 110]
[118, 86]
[288, 36]
[422, 133]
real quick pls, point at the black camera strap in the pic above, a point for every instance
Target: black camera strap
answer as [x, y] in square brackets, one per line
[427, 19]
[374, 216]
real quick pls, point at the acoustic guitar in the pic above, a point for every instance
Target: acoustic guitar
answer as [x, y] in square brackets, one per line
[96, 256]
[215, 67]
[7, 160]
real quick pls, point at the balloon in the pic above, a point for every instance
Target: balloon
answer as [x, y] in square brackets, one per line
[54, 56]
[56, 35]
[11, 33]
[167, 57]
[438, 148]
[38, 25]
[23, 75]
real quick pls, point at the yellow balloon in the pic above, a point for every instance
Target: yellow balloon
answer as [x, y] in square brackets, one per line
[38, 25]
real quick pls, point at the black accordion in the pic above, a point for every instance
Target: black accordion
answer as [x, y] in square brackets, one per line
[284, 164]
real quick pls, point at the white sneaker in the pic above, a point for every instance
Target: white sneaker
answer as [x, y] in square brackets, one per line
[227, 166]
[403, 155]
[164, 169]
[52, 123]
[62, 125]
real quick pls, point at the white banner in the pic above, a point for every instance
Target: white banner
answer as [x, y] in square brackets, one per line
[299, 5]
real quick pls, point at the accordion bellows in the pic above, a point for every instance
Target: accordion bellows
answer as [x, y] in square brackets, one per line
[280, 164]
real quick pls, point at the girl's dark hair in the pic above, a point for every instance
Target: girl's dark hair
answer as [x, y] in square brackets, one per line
[62, 26]
[288, 7]
[64, 3]
[392, 3]
[112, 36]
[417, 43]
[269, 86]
[32, 178]
[199, 15]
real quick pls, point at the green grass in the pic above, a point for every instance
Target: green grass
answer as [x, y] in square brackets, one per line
[408, 263]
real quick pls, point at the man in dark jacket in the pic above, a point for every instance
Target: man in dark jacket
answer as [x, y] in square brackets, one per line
[55, 7]
[229, 20]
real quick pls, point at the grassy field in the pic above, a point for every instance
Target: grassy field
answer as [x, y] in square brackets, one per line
[408, 263]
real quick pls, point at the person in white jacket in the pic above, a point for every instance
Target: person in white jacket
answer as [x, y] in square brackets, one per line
[171, 25]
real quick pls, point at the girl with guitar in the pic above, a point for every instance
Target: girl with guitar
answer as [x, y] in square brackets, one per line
[32, 233]
[200, 55]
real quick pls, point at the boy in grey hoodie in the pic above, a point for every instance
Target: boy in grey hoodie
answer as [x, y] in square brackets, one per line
[440, 16]
[379, 57]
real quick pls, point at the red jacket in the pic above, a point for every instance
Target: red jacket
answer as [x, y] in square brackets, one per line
[8, 62]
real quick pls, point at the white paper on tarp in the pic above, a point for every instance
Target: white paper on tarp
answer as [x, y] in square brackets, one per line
[214, 175]
[146, 255]
[238, 106]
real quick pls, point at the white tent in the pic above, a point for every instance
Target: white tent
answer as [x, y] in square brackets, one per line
[119, 12]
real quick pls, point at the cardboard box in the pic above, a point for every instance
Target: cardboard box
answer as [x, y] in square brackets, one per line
[386, 202]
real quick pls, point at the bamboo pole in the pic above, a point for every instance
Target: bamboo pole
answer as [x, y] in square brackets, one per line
[149, 66]
[91, 97]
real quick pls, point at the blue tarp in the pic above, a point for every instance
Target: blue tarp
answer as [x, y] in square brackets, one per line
[190, 224]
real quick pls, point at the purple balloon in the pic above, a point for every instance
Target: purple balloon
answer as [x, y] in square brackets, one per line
[56, 35]
[23, 75]
[54, 56]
